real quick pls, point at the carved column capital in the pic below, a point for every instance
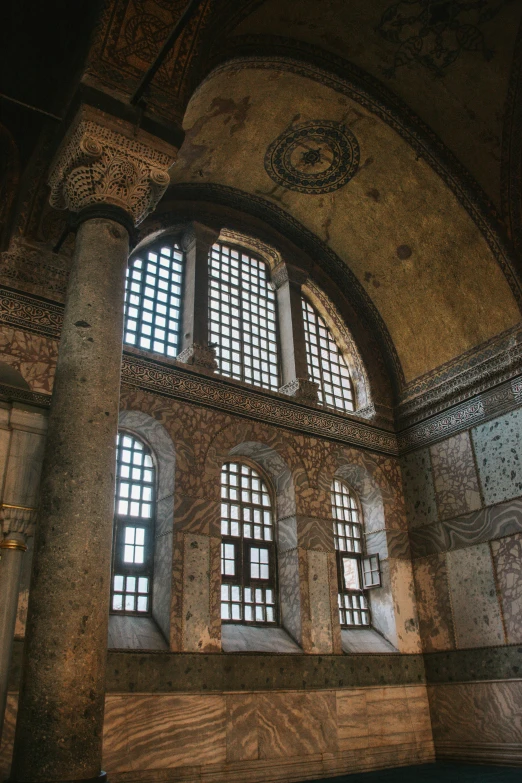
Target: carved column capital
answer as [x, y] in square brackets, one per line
[288, 273]
[104, 161]
[17, 519]
[198, 233]
[198, 356]
[302, 389]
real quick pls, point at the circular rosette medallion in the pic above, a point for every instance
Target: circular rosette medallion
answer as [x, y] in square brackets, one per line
[315, 157]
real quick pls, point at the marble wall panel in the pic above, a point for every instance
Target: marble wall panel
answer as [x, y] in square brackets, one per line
[334, 605]
[176, 606]
[476, 713]
[498, 447]
[286, 534]
[352, 719]
[315, 533]
[290, 592]
[455, 476]
[241, 723]
[382, 606]
[476, 611]
[388, 543]
[487, 524]
[162, 731]
[507, 558]
[215, 594]
[23, 595]
[196, 594]
[320, 604]
[419, 492]
[197, 515]
[296, 724]
[32, 355]
[162, 580]
[403, 593]
[389, 718]
[7, 738]
[433, 604]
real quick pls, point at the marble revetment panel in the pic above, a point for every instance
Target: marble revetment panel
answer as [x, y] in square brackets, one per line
[507, 557]
[455, 476]
[498, 446]
[476, 610]
[433, 603]
[419, 492]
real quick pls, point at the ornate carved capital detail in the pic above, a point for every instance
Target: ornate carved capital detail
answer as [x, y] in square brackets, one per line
[197, 355]
[102, 161]
[302, 389]
[18, 519]
[287, 273]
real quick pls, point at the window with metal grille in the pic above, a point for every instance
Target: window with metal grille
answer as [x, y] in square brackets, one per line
[326, 364]
[153, 300]
[248, 555]
[355, 573]
[242, 317]
[132, 555]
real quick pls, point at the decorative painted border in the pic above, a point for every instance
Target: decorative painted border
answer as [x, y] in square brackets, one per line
[27, 312]
[182, 383]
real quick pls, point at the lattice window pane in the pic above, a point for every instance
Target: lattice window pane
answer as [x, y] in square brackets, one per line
[153, 301]
[242, 317]
[326, 364]
[134, 526]
[248, 549]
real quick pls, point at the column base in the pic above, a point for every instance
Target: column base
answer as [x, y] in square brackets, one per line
[101, 778]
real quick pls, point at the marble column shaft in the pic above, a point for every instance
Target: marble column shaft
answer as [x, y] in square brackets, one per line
[62, 691]
[288, 281]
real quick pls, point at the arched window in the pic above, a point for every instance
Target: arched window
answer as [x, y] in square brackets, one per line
[242, 317]
[153, 300]
[326, 364]
[355, 573]
[132, 553]
[248, 556]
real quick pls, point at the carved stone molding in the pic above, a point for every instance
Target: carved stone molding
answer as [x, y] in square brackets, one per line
[104, 161]
[302, 389]
[18, 520]
[200, 356]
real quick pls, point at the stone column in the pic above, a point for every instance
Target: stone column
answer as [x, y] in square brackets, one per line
[110, 175]
[17, 517]
[196, 242]
[288, 280]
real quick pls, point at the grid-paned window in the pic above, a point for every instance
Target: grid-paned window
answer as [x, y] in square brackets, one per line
[153, 300]
[242, 317]
[354, 609]
[248, 556]
[133, 527]
[326, 364]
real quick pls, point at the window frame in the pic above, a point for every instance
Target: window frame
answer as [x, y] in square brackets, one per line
[242, 550]
[241, 249]
[173, 241]
[120, 522]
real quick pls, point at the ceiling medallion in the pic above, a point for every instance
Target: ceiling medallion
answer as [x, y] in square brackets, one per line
[313, 157]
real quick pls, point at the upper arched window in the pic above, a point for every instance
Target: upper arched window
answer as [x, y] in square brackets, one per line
[248, 556]
[132, 552]
[326, 364]
[242, 321]
[355, 573]
[153, 300]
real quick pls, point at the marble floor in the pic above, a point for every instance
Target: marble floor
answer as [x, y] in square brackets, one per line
[433, 773]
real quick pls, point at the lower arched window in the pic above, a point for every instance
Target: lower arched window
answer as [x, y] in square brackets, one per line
[132, 552]
[355, 573]
[248, 555]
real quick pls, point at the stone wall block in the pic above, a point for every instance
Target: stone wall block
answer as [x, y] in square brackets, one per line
[434, 604]
[290, 600]
[476, 610]
[196, 593]
[507, 558]
[197, 515]
[320, 603]
[406, 620]
[498, 447]
[455, 476]
[419, 492]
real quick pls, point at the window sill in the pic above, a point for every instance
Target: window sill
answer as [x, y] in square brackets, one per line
[249, 638]
[128, 632]
[364, 640]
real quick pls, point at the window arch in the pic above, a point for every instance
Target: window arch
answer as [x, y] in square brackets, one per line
[355, 573]
[153, 294]
[248, 553]
[326, 364]
[133, 533]
[242, 317]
